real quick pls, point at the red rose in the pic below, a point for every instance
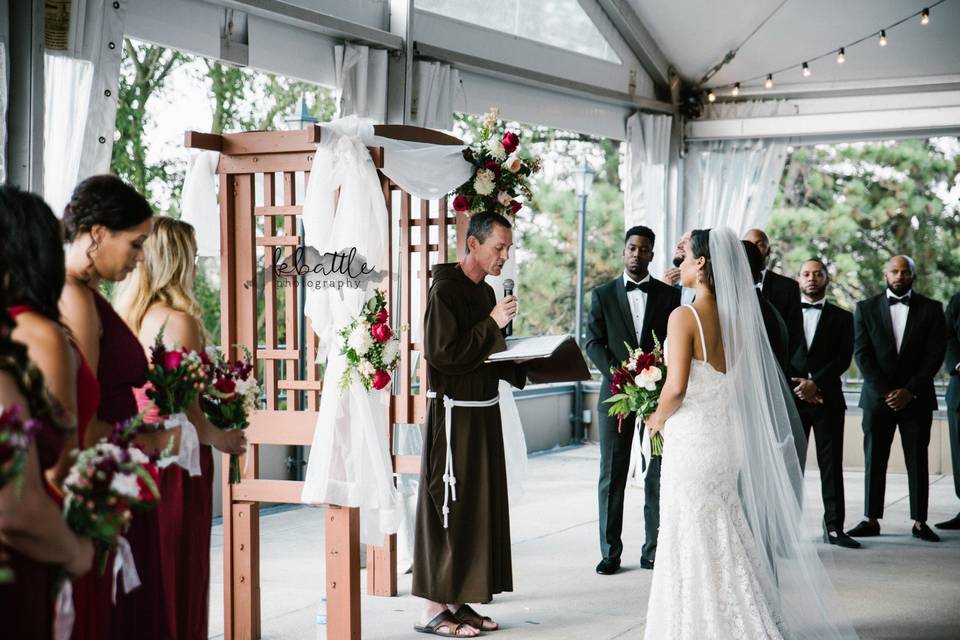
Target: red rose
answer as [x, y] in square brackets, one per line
[146, 493]
[381, 332]
[226, 386]
[383, 316]
[172, 360]
[461, 203]
[204, 358]
[493, 166]
[510, 141]
[380, 379]
[515, 206]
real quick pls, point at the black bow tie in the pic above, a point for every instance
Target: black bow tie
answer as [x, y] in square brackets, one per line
[643, 286]
[808, 305]
[905, 301]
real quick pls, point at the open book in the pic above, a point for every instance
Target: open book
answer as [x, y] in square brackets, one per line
[547, 358]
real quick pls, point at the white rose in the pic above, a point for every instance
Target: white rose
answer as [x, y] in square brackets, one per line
[631, 366]
[125, 484]
[504, 198]
[360, 339]
[495, 147]
[483, 187]
[648, 378]
[367, 369]
[390, 351]
[513, 164]
[138, 456]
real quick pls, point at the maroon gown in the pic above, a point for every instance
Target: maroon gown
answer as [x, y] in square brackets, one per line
[140, 614]
[186, 515]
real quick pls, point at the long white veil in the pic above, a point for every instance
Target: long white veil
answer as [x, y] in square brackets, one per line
[764, 421]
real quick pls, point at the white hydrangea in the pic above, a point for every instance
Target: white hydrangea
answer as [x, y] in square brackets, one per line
[125, 484]
[483, 187]
[495, 147]
[138, 456]
[360, 339]
[367, 368]
[390, 351]
[249, 390]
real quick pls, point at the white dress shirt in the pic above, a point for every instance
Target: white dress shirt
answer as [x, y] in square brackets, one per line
[811, 318]
[898, 317]
[638, 303]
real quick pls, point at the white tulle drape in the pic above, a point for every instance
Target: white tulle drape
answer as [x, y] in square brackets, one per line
[435, 85]
[198, 202]
[646, 185]
[67, 84]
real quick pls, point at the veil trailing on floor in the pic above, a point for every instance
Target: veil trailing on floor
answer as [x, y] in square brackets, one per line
[764, 421]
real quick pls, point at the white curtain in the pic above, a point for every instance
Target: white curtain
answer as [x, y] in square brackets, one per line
[646, 182]
[435, 85]
[198, 202]
[3, 112]
[67, 83]
[361, 81]
[733, 182]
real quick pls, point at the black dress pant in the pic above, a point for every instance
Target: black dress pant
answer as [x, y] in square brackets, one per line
[827, 425]
[879, 425]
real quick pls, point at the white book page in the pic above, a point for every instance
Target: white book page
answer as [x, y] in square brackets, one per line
[526, 348]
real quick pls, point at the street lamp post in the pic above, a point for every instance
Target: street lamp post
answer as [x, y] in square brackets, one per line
[582, 184]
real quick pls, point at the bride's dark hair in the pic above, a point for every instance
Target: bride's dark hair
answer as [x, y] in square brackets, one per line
[700, 245]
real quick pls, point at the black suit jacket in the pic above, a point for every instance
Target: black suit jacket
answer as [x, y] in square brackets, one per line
[784, 294]
[921, 352]
[953, 352]
[776, 330]
[611, 324]
[829, 355]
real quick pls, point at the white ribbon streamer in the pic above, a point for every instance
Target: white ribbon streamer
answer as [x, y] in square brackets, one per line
[189, 454]
[449, 479]
[123, 562]
[64, 614]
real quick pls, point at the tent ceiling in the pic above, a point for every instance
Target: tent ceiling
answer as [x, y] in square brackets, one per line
[696, 34]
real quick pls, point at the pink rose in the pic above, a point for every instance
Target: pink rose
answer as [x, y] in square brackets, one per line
[380, 379]
[515, 206]
[510, 141]
[381, 332]
[172, 360]
[383, 316]
[461, 203]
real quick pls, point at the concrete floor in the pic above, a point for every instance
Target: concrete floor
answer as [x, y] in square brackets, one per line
[897, 587]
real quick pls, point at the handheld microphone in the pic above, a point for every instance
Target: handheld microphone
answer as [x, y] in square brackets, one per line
[508, 291]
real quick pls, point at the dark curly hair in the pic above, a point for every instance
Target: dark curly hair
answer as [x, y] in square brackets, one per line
[106, 200]
[33, 250]
[700, 246]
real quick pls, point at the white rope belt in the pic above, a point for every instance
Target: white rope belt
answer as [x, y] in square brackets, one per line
[449, 480]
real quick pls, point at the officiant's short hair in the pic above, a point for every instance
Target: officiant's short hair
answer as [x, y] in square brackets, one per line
[481, 225]
[643, 232]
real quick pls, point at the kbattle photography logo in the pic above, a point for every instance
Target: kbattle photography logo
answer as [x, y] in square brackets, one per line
[307, 267]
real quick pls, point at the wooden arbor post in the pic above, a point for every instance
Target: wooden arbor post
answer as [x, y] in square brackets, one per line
[268, 167]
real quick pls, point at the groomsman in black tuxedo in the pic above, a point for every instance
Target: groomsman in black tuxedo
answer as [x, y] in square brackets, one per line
[628, 309]
[782, 292]
[953, 398]
[899, 343]
[817, 368]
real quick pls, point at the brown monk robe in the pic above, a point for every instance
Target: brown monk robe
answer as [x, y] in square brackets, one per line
[468, 561]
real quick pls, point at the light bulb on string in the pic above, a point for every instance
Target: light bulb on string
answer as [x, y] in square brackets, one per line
[925, 16]
[769, 83]
[840, 56]
[883, 38]
[711, 96]
[736, 90]
[806, 70]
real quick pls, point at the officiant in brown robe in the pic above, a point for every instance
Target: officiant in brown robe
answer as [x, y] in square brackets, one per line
[462, 546]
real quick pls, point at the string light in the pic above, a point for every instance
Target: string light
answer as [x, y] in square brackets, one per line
[769, 83]
[883, 37]
[736, 90]
[925, 17]
[806, 70]
[711, 96]
[840, 56]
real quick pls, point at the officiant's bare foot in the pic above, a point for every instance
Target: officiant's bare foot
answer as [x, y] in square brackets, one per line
[466, 613]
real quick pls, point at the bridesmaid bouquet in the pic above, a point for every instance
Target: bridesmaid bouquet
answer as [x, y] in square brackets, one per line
[230, 396]
[636, 386]
[16, 436]
[370, 346]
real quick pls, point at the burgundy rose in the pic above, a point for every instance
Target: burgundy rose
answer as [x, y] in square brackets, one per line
[172, 360]
[380, 379]
[461, 203]
[493, 166]
[204, 358]
[515, 206]
[383, 316]
[510, 141]
[381, 332]
[226, 386]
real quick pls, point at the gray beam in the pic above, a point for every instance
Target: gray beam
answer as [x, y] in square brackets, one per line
[521, 75]
[641, 43]
[400, 64]
[25, 108]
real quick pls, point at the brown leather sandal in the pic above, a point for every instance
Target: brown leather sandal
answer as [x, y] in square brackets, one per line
[444, 624]
[484, 623]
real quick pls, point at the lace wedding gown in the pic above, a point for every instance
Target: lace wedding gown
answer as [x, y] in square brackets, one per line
[707, 581]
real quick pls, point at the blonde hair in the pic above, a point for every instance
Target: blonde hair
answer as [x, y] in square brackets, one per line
[165, 276]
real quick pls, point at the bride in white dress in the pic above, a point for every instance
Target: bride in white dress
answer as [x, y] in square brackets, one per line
[732, 560]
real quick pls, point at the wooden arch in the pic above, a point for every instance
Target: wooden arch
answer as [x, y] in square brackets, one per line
[267, 320]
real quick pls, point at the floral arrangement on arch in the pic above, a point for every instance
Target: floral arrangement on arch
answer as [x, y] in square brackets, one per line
[370, 346]
[500, 174]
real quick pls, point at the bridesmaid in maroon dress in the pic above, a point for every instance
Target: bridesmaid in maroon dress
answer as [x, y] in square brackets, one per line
[107, 222]
[159, 294]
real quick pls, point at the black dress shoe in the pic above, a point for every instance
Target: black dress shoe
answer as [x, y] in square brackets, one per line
[840, 539]
[953, 523]
[646, 564]
[608, 567]
[865, 530]
[925, 533]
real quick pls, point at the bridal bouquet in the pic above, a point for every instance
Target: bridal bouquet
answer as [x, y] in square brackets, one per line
[500, 175]
[16, 436]
[176, 377]
[636, 386]
[230, 396]
[371, 348]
